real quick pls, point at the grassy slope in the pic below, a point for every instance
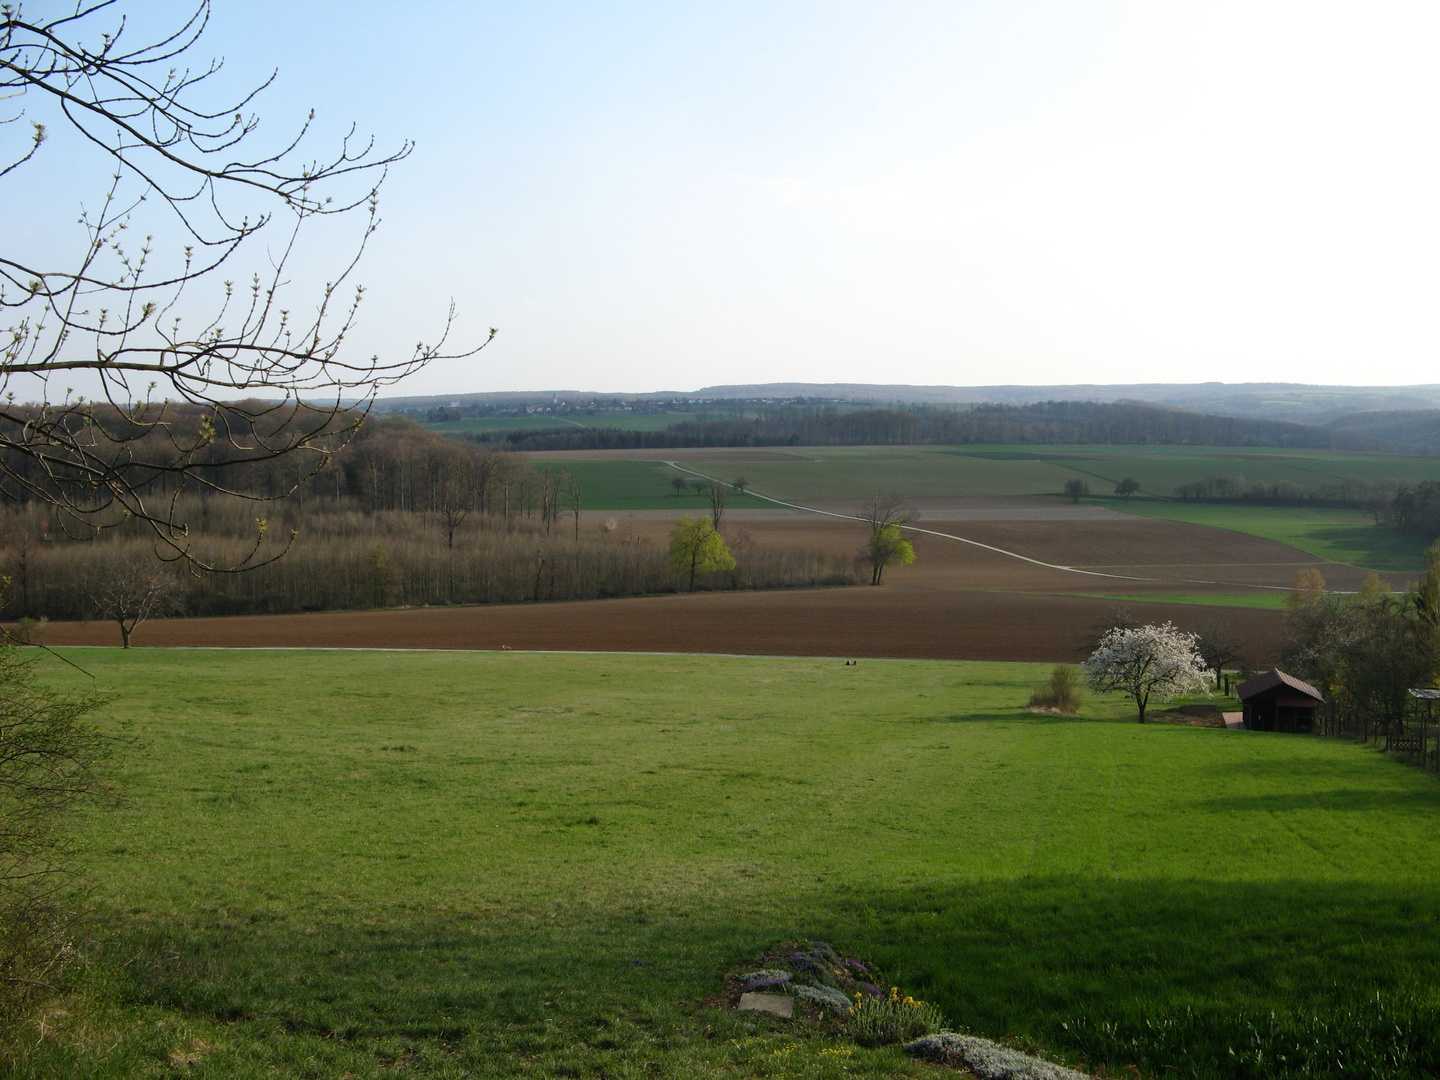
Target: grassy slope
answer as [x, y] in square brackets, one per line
[508, 864]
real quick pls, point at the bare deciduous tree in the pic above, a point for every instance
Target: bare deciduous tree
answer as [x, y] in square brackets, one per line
[1220, 648]
[883, 509]
[717, 494]
[133, 589]
[195, 366]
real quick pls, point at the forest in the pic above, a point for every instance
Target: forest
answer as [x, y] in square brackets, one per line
[1046, 423]
[393, 516]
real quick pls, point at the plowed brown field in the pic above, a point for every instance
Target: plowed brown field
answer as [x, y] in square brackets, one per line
[957, 602]
[896, 621]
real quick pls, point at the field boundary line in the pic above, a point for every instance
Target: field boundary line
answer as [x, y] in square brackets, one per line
[976, 543]
[551, 652]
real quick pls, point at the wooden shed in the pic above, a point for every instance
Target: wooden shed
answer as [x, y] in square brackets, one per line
[1274, 701]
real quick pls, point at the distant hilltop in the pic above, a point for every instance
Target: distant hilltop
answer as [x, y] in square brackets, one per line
[1295, 402]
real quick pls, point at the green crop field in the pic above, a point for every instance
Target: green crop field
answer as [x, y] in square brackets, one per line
[640, 485]
[385, 864]
[853, 472]
[1161, 469]
[1345, 536]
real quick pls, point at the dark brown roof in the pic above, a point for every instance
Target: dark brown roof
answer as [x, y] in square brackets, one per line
[1269, 680]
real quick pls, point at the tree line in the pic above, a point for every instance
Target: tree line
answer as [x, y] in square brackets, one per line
[1364, 651]
[397, 516]
[1413, 508]
[1053, 422]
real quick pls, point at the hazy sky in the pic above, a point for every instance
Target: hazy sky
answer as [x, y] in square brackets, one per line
[653, 196]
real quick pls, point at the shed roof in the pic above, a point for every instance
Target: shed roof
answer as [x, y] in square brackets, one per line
[1270, 680]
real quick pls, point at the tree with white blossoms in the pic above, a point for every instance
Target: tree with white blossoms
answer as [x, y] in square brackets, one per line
[1140, 661]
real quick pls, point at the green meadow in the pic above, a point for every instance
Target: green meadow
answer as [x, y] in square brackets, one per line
[377, 864]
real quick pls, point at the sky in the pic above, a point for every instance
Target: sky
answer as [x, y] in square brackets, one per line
[652, 196]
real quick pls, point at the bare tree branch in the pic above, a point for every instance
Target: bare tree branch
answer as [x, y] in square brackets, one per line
[196, 372]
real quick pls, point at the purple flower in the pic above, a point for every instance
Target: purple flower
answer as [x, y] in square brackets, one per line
[873, 991]
[858, 966]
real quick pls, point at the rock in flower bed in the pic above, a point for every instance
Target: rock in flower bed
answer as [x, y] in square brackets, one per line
[839, 992]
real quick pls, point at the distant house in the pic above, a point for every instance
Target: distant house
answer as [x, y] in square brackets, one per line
[1274, 701]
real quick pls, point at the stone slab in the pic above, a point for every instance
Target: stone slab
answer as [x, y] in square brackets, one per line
[776, 1004]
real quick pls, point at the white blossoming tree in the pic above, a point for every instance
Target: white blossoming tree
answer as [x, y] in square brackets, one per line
[1141, 661]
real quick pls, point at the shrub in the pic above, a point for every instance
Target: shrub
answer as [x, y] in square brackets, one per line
[892, 1020]
[1059, 693]
[52, 760]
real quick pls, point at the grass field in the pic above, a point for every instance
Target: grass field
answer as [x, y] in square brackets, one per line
[1346, 536]
[449, 864]
[641, 485]
[918, 472]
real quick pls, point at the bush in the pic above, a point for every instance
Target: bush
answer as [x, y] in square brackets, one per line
[892, 1020]
[1059, 693]
[51, 761]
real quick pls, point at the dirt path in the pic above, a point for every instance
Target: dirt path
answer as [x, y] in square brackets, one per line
[988, 547]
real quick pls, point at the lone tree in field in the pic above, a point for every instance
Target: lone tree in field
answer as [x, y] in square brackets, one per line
[887, 545]
[740, 484]
[696, 548]
[1077, 489]
[133, 590]
[1147, 660]
[679, 483]
[177, 307]
[1127, 487]
[887, 514]
[717, 494]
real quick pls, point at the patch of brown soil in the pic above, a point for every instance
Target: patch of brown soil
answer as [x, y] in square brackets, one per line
[1131, 541]
[1190, 716]
[892, 621]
